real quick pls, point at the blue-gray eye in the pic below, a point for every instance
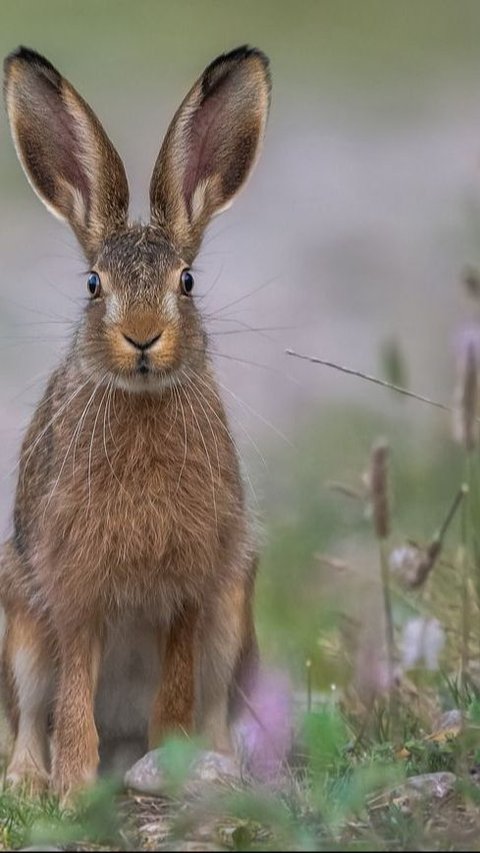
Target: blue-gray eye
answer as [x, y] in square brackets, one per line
[93, 284]
[187, 282]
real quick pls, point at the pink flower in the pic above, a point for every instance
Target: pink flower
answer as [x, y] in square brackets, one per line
[265, 728]
[467, 337]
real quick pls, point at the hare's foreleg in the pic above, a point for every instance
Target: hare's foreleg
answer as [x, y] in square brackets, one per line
[229, 657]
[28, 674]
[174, 704]
[75, 739]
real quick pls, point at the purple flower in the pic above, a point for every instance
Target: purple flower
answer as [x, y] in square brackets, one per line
[265, 728]
[468, 336]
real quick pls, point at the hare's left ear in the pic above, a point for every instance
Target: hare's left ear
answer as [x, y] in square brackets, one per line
[64, 150]
[210, 147]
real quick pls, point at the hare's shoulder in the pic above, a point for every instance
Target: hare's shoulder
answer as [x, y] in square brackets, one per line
[37, 455]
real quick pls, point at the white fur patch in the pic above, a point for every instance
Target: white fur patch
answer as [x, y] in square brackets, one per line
[198, 200]
[32, 683]
[170, 306]
[113, 312]
[34, 686]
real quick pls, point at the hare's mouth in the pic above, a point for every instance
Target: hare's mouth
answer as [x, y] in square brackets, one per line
[146, 377]
[144, 366]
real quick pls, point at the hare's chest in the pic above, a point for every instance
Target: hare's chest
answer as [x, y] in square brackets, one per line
[142, 517]
[149, 544]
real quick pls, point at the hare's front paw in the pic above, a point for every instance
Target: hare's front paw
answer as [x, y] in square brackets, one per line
[27, 777]
[73, 771]
[68, 782]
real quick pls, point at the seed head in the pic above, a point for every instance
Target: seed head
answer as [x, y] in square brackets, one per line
[378, 478]
[465, 428]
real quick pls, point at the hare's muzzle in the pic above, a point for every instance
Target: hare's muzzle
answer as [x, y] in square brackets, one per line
[142, 345]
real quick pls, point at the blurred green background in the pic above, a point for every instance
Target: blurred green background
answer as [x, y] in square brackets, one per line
[349, 243]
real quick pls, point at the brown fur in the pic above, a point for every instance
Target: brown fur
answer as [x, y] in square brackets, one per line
[130, 506]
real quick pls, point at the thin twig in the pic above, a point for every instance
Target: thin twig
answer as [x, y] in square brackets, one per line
[308, 667]
[462, 492]
[376, 381]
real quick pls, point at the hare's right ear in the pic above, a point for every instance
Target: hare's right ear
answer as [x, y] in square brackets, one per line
[65, 153]
[210, 147]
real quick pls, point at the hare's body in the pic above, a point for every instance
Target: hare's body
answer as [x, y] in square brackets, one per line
[171, 538]
[165, 489]
[128, 579]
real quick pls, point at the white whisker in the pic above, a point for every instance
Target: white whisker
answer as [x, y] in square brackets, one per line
[202, 437]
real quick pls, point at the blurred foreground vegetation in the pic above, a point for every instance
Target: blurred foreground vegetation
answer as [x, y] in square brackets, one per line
[357, 737]
[320, 600]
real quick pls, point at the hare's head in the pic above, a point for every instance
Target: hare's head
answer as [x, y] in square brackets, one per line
[141, 326]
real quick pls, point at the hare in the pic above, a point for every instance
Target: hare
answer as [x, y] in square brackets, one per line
[128, 579]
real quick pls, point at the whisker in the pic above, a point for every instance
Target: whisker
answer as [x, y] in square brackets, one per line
[52, 420]
[242, 427]
[65, 458]
[174, 420]
[110, 399]
[231, 437]
[257, 415]
[247, 329]
[185, 441]
[107, 405]
[41, 377]
[30, 310]
[202, 437]
[214, 437]
[82, 420]
[90, 452]
[245, 296]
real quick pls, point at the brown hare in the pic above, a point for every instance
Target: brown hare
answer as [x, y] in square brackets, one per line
[128, 579]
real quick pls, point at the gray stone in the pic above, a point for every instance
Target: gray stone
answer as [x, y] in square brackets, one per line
[214, 767]
[427, 788]
[451, 720]
[435, 786]
[149, 776]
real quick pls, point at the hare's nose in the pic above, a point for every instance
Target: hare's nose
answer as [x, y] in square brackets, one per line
[142, 345]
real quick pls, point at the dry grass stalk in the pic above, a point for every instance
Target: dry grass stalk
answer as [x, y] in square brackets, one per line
[345, 489]
[470, 278]
[378, 478]
[414, 564]
[465, 425]
[383, 383]
[379, 497]
[332, 562]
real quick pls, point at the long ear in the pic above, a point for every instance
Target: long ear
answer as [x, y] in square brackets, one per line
[210, 147]
[65, 153]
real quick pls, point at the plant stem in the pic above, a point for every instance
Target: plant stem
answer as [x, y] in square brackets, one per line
[462, 492]
[389, 630]
[465, 601]
[308, 667]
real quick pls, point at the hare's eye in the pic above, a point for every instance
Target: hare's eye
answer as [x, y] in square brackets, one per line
[187, 282]
[94, 286]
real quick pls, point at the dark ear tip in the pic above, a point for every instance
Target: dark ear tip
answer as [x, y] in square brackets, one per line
[241, 54]
[246, 52]
[29, 57]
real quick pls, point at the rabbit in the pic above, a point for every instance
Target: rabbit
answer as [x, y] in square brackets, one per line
[128, 579]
